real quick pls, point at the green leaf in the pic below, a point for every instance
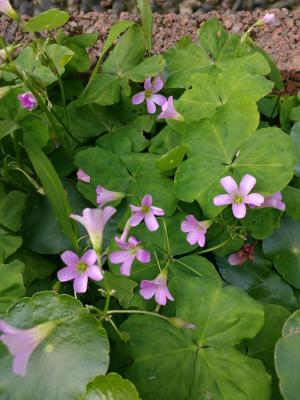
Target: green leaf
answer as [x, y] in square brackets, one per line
[78, 337]
[287, 358]
[172, 159]
[9, 244]
[110, 387]
[147, 21]
[7, 127]
[134, 174]
[52, 186]
[260, 281]
[283, 248]
[295, 135]
[262, 346]
[37, 128]
[48, 20]
[262, 222]
[209, 364]
[291, 198]
[60, 56]
[11, 217]
[275, 74]
[11, 284]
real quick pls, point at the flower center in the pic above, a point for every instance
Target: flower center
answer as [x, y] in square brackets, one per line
[238, 199]
[133, 250]
[145, 209]
[148, 93]
[81, 266]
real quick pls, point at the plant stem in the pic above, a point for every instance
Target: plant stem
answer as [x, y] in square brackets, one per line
[218, 246]
[153, 314]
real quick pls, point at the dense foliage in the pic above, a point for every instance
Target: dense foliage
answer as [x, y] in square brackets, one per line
[149, 217]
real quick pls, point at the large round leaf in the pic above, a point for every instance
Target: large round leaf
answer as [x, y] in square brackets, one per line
[63, 364]
[11, 284]
[110, 387]
[287, 358]
[283, 247]
[47, 20]
[169, 363]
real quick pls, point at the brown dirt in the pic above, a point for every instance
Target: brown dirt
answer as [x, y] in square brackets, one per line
[281, 40]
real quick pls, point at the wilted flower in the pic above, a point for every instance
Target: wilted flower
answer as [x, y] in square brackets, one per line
[105, 196]
[157, 288]
[130, 251]
[169, 112]
[238, 196]
[147, 212]
[245, 254]
[27, 100]
[94, 221]
[80, 269]
[83, 176]
[7, 9]
[196, 230]
[22, 342]
[149, 94]
[274, 201]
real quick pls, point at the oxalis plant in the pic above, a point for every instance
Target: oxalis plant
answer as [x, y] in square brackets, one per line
[149, 213]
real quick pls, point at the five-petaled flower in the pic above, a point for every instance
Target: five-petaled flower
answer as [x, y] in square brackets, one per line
[131, 250]
[83, 176]
[196, 230]
[27, 100]
[105, 196]
[246, 253]
[80, 269]
[150, 94]
[94, 221]
[157, 288]
[274, 201]
[169, 111]
[22, 342]
[146, 212]
[238, 196]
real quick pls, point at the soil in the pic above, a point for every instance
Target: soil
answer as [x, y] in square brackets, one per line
[281, 40]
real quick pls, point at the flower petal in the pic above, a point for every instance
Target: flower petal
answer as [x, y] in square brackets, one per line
[158, 99]
[189, 224]
[138, 98]
[7, 328]
[157, 211]
[118, 257]
[201, 239]
[222, 200]
[94, 273]
[20, 362]
[147, 200]
[143, 256]
[229, 184]
[151, 222]
[126, 266]
[157, 84]
[133, 242]
[239, 210]
[192, 237]
[148, 84]
[147, 289]
[234, 259]
[89, 257]
[70, 258]
[80, 283]
[67, 274]
[247, 184]
[151, 107]
[254, 199]
[136, 219]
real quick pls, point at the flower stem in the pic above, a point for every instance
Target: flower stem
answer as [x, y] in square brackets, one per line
[218, 246]
[153, 314]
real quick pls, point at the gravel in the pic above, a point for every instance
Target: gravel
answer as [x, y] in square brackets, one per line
[280, 40]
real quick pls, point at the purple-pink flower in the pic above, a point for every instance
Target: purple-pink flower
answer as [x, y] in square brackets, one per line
[238, 196]
[80, 269]
[27, 100]
[246, 253]
[274, 201]
[22, 342]
[131, 250]
[146, 211]
[268, 18]
[83, 176]
[94, 221]
[157, 288]
[169, 111]
[150, 94]
[196, 230]
[7, 9]
[105, 196]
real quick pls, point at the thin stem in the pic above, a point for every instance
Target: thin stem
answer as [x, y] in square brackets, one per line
[187, 266]
[166, 236]
[153, 314]
[115, 327]
[218, 246]
[158, 264]
[107, 301]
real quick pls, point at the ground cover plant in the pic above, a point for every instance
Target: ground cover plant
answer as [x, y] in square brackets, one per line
[149, 217]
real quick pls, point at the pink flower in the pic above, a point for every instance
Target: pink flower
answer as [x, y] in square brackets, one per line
[268, 18]
[245, 254]
[27, 100]
[79, 269]
[238, 196]
[149, 94]
[147, 212]
[195, 230]
[130, 251]
[274, 201]
[105, 196]
[83, 176]
[157, 288]
[7, 9]
[22, 342]
[94, 221]
[169, 112]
